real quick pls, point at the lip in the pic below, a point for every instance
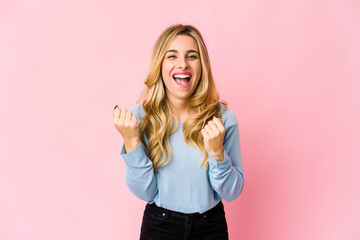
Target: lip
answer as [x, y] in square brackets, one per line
[180, 85]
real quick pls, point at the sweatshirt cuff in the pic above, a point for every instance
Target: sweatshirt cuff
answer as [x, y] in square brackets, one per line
[136, 157]
[213, 163]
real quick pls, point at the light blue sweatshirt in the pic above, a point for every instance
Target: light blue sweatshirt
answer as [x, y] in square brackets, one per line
[183, 185]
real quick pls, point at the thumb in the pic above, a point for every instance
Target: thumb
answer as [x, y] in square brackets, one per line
[134, 118]
[218, 118]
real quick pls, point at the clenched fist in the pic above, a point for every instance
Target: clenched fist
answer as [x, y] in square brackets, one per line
[126, 123]
[214, 133]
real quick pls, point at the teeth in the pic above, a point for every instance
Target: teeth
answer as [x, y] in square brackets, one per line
[181, 76]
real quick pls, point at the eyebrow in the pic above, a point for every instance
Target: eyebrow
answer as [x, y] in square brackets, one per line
[174, 50]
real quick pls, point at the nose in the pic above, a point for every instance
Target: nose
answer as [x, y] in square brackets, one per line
[182, 63]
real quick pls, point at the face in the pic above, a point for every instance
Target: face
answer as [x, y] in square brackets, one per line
[181, 68]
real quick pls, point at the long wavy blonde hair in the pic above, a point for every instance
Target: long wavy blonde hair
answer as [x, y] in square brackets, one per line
[159, 122]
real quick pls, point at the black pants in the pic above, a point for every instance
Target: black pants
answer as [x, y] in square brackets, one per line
[163, 224]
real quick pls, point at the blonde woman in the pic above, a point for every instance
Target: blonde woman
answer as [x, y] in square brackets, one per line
[181, 143]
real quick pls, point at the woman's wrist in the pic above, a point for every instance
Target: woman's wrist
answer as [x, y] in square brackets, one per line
[218, 156]
[131, 145]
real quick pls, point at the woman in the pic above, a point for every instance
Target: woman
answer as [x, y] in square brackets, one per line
[181, 144]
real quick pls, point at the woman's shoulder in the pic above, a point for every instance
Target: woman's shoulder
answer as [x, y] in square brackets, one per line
[228, 117]
[138, 110]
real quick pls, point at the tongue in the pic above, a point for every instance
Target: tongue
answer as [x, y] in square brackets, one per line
[182, 80]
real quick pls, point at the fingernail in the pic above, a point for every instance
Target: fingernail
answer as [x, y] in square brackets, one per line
[116, 106]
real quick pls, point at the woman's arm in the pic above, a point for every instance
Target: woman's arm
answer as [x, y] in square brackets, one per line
[226, 177]
[140, 176]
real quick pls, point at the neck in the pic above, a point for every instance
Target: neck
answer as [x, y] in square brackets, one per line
[181, 109]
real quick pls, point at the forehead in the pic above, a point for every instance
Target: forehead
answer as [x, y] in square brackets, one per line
[183, 43]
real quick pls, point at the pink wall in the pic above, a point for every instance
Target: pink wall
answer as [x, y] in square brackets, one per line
[290, 70]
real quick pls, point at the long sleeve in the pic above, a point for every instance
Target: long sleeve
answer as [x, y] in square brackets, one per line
[140, 176]
[183, 185]
[227, 177]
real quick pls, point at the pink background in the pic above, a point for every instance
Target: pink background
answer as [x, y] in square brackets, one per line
[290, 71]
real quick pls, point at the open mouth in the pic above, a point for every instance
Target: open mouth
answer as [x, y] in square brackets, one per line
[182, 79]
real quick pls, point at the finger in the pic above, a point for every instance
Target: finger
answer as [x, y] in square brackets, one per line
[134, 119]
[219, 118]
[215, 117]
[204, 133]
[213, 126]
[128, 116]
[122, 115]
[209, 124]
[116, 113]
[215, 130]
[209, 131]
[219, 124]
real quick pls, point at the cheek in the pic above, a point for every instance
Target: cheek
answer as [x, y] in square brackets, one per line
[199, 71]
[166, 69]
[198, 67]
[166, 77]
